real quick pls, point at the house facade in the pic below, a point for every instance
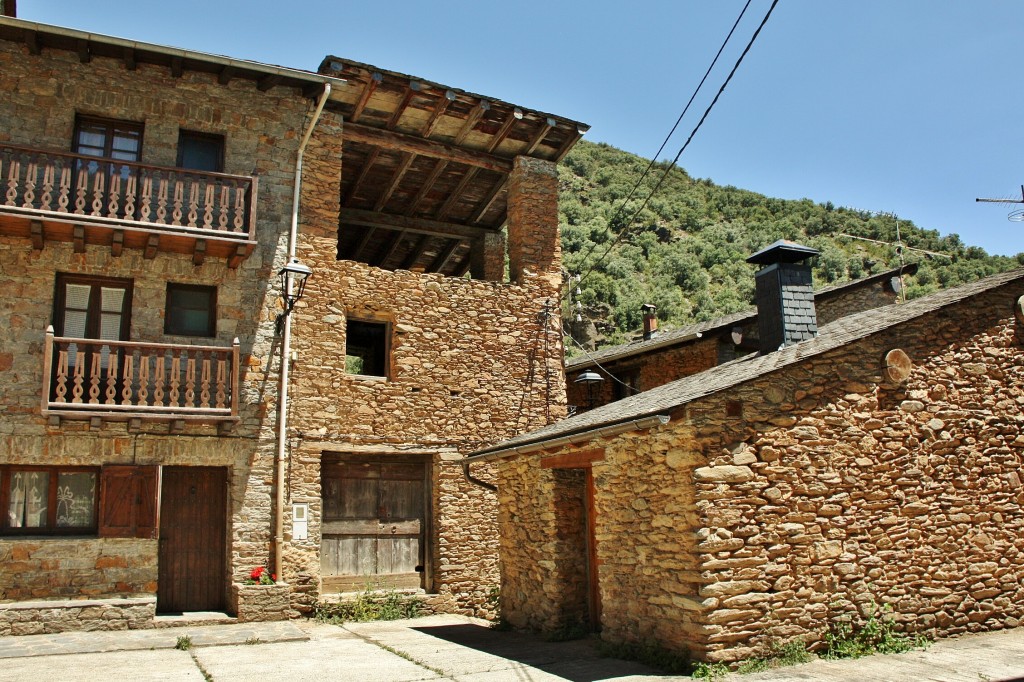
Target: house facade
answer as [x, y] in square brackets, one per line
[149, 198]
[873, 466]
[660, 356]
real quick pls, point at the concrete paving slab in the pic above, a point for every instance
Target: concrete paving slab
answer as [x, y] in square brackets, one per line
[138, 666]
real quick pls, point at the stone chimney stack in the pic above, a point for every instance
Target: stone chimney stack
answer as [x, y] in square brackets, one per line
[650, 320]
[785, 295]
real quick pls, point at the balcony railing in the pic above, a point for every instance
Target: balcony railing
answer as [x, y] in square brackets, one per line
[89, 190]
[87, 378]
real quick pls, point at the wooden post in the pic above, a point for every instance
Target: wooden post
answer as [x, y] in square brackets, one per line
[47, 369]
[234, 377]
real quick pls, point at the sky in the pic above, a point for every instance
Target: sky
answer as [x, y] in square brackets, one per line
[909, 107]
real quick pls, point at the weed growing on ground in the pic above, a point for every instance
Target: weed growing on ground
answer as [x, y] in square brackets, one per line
[651, 654]
[877, 635]
[184, 643]
[370, 605]
[710, 671]
[780, 656]
[254, 640]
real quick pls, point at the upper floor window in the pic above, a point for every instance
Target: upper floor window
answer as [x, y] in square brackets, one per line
[191, 310]
[92, 307]
[48, 499]
[628, 383]
[366, 348]
[200, 151]
[108, 138]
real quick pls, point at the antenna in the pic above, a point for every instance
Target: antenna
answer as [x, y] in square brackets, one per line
[1014, 216]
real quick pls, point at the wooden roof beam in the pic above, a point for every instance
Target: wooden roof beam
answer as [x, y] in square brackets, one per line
[415, 252]
[549, 123]
[364, 97]
[363, 172]
[225, 75]
[439, 109]
[482, 107]
[177, 66]
[84, 54]
[32, 41]
[358, 251]
[568, 144]
[389, 221]
[396, 242]
[485, 205]
[506, 128]
[396, 179]
[267, 82]
[396, 141]
[410, 92]
[131, 61]
[453, 198]
[463, 267]
[427, 185]
[441, 261]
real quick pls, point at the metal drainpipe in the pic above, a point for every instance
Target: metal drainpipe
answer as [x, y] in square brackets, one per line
[286, 348]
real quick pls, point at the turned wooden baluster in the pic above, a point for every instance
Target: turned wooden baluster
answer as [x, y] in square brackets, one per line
[142, 394]
[127, 376]
[98, 191]
[190, 382]
[225, 199]
[239, 208]
[179, 199]
[158, 384]
[129, 197]
[79, 379]
[47, 197]
[112, 380]
[80, 189]
[114, 195]
[62, 376]
[29, 195]
[172, 399]
[64, 196]
[222, 382]
[147, 198]
[161, 201]
[193, 204]
[94, 379]
[13, 175]
[208, 208]
[204, 393]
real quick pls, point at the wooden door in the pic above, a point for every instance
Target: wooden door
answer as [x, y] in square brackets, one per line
[373, 528]
[193, 517]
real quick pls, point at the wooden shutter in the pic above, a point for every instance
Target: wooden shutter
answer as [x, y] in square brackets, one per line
[128, 502]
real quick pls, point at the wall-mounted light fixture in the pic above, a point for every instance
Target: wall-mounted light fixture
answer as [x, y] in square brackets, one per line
[293, 285]
[590, 379]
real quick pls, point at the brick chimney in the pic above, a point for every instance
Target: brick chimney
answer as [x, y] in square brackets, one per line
[650, 320]
[785, 295]
[8, 8]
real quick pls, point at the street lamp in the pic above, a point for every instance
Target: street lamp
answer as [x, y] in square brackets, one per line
[293, 285]
[590, 379]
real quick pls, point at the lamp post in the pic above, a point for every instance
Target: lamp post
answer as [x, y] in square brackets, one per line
[293, 285]
[590, 379]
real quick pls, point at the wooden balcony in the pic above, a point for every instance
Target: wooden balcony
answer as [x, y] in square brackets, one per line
[130, 381]
[51, 195]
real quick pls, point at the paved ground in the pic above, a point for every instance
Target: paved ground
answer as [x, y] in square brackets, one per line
[434, 648]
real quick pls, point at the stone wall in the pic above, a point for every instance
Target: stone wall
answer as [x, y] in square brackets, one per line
[832, 492]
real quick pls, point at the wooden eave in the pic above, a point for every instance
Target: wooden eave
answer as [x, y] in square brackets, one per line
[434, 156]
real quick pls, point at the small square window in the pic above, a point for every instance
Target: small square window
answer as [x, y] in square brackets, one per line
[191, 310]
[200, 151]
[366, 348]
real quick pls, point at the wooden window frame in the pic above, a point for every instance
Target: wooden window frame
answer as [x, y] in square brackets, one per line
[385, 351]
[51, 527]
[111, 124]
[211, 322]
[60, 301]
[184, 134]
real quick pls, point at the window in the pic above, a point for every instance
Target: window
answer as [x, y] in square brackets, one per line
[630, 385]
[91, 308]
[200, 151]
[40, 500]
[191, 310]
[110, 139]
[366, 348]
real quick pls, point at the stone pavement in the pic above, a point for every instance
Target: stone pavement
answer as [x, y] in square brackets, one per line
[435, 648]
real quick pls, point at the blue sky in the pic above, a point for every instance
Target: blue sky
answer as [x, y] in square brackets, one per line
[904, 106]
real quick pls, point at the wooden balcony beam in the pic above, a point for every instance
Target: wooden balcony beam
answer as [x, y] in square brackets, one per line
[152, 246]
[78, 237]
[395, 141]
[117, 243]
[199, 252]
[38, 235]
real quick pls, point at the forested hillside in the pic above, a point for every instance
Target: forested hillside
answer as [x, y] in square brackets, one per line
[686, 251]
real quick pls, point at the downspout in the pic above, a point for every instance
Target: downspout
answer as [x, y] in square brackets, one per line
[286, 347]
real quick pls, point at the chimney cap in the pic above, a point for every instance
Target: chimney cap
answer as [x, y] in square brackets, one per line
[782, 251]
[648, 308]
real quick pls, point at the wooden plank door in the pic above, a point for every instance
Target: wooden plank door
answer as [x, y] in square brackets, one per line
[193, 518]
[373, 530]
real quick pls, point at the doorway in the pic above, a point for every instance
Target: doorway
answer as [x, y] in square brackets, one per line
[193, 524]
[374, 523]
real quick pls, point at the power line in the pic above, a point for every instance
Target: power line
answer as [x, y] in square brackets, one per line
[654, 159]
[625, 230]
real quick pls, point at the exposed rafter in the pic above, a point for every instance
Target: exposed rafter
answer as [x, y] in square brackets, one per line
[485, 205]
[436, 228]
[415, 252]
[549, 125]
[439, 109]
[395, 243]
[482, 107]
[396, 179]
[445, 255]
[130, 60]
[397, 141]
[410, 92]
[364, 97]
[363, 172]
[426, 186]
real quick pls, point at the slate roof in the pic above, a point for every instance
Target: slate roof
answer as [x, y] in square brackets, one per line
[834, 335]
[671, 337]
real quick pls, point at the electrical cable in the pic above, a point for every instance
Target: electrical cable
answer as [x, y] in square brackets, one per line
[686, 144]
[654, 159]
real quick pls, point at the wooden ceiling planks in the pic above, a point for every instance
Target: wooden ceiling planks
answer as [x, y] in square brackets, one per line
[435, 156]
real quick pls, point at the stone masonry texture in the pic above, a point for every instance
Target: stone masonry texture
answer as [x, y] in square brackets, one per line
[831, 493]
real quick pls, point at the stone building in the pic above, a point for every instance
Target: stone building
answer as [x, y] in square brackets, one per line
[150, 196]
[657, 357]
[875, 465]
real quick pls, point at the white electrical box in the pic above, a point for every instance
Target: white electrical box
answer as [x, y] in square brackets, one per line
[300, 521]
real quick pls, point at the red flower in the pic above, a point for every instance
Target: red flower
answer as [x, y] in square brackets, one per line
[273, 576]
[257, 573]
